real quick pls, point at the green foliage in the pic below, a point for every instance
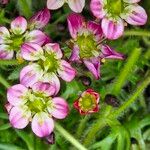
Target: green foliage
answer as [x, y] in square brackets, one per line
[123, 127]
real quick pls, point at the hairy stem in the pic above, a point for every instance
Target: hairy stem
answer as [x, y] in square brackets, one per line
[69, 137]
[82, 126]
[8, 62]
[133, 98]
[103, 120]
[137, 33]
[122, 78]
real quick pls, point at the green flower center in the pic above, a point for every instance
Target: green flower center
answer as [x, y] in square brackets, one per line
[37, 102]
[50, 63]
[114, 7]
[17, 41]
[87, 102]
[87, 45]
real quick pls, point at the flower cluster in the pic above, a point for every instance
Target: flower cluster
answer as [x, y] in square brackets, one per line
[20, 32]
[34, 99]
[113, 13]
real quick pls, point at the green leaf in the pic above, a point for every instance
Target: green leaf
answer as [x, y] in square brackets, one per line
[25, 7]
[26, 138]
[5, 146]
[5, 126]
[3, 116]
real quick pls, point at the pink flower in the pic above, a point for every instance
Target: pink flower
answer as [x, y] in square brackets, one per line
[11, 40]
[4, 1]
[40, 19]
[88, 44]
[88, 102]
[47, 65]
[113, 13]
[76, 5]
[35, 105]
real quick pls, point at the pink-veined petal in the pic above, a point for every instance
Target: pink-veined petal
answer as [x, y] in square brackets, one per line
[30, 74]
[136, 16]
[54, 48]
[112, 30]
[75, 24]
[19, 117]
[16, 93]
[55, 4]
[31, 51]
[76, 5]
[36, 36]
[44, 87]
[108, 52]
[97, 8]
[40, 19]
[66, 72]
[8, 107]
[61, 109]
[93, 66]
[52, 79]
[42, 125]
[5, 53]
[19, 25]
[4, 35]
[95, 29]
[75, 54]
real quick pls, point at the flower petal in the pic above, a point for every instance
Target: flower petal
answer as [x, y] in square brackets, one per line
[96, 7]
[94, 66]
[4, 35]
[92, 92]
[76, 5]
[30, 74]
[19, 117]
[31, 51]
[54, 48]
[75, 54]
[55, 4]
[136, 16]
[19, 25]
[5, 53]
[40, 19]
[75, 24]
[16, 93]
[66, 72]
[131, 1]
[96, 29]
[52, 79]
[44, 87]
[42, 125]
[8, 107]
[36, 36]
[107, 52]
[112, 30]
[61, 108]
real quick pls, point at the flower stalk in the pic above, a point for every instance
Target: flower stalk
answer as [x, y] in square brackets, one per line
[137, 33]
[69, 137]
[103, 121]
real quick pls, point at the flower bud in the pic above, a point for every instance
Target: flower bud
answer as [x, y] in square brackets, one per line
[40, 19]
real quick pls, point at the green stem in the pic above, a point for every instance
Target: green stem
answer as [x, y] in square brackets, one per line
[133, 98]
[137, 33]
[82, 126]
[69, 137]
[4, 82]
[104, 120]
[127, 69]
[8, 62]
[100, 123]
